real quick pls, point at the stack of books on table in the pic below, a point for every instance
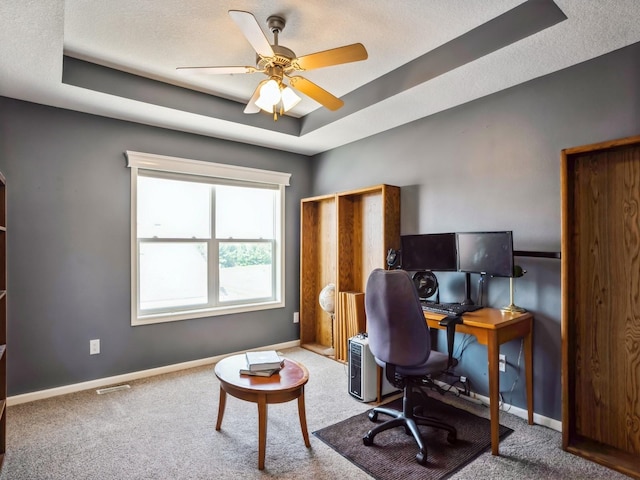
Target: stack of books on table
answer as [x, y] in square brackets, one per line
[262, 363]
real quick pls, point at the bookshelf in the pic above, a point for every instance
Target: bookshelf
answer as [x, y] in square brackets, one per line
[344, 236]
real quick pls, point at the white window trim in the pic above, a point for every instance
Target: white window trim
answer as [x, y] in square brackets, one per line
[149, 161]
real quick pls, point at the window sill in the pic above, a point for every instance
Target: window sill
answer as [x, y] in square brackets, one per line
[203, 313]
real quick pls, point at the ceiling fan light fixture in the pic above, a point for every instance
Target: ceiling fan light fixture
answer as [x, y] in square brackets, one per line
[289, 98]
[269, 95]
[274, 94]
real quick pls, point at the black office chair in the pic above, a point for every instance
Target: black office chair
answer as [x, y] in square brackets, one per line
[400, 342]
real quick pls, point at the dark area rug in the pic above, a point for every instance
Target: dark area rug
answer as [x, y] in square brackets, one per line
[392, 456]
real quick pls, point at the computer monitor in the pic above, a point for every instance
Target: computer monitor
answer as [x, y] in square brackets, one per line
[433, 251]
[489, 253]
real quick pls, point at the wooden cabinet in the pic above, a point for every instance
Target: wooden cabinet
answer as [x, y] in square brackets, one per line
[344, 236]
[601, 303]
[3, 319]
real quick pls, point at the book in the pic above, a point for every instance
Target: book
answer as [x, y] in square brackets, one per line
[259, 373]
[263, 360]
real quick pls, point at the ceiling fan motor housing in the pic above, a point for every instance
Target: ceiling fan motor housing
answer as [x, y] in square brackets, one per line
[283, 58]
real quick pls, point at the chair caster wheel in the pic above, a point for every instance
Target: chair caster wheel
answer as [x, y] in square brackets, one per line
[452, 438]
[421, 457]
[373, 415]
[367, 440]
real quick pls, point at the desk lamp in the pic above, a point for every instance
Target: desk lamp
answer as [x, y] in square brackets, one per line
[512, 307]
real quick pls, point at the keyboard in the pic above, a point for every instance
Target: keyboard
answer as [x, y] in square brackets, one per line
[449, 308]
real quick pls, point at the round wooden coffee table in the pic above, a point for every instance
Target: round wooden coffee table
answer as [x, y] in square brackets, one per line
[284, 386]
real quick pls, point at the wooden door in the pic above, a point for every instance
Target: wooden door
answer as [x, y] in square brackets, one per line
[601, 303]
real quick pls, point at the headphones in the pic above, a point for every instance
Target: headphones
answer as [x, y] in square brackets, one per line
[393, 259]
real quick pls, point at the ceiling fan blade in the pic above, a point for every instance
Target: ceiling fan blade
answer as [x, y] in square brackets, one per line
[319, 94]
[251, 106]
[335, 56]
[251, 29]
[215, 70]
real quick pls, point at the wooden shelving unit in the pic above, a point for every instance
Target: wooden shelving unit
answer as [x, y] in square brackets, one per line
[368, 226]
[344, 236]
[318, 260]
[3, 319]
[600, 303]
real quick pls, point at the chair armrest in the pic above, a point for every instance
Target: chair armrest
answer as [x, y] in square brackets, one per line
[450, 322]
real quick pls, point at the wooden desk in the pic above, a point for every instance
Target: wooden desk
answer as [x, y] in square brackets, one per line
[493, 327]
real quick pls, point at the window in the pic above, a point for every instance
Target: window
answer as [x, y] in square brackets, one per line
[207, 239]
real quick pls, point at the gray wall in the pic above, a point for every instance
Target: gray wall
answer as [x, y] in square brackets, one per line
[494, 164]
[68, 249]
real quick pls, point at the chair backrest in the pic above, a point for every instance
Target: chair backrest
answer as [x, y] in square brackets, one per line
[398, 331]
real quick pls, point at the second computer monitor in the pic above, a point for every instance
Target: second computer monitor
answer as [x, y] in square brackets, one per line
[489, 253]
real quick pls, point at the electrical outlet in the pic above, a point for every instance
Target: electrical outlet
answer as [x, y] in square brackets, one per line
[296, 317]
[94, 346]
[502, 363]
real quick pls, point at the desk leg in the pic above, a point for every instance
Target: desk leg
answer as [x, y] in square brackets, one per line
[528, 367]
[493, 350]
[221, 405]
[303, 419]
[262, 430]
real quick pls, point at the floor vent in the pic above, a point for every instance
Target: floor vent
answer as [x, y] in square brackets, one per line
[102, 391]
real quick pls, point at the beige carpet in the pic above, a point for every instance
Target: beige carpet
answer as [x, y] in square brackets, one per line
[164, 428]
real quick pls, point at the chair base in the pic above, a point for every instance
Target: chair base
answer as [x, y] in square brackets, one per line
[409, 419]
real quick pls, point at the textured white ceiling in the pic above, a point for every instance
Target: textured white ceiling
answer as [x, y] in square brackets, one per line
[152, 37]
[160, 35]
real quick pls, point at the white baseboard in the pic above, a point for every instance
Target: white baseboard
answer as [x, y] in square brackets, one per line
[127, 377]
[512, 409]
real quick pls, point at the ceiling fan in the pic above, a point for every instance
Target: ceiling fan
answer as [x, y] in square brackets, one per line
[278, 62]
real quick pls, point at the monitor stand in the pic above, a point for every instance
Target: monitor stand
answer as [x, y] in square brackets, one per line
[467, 290]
